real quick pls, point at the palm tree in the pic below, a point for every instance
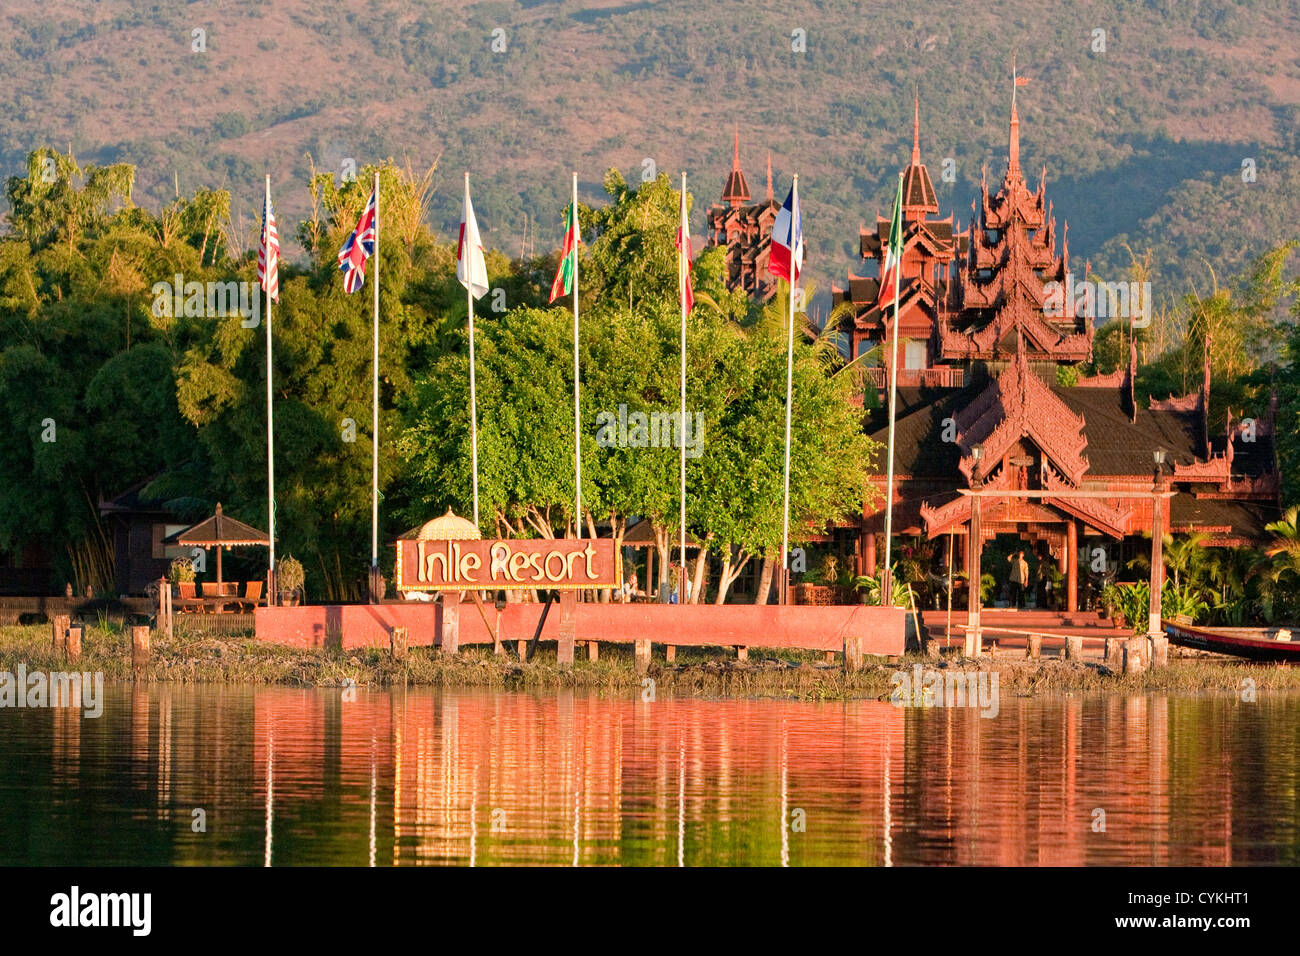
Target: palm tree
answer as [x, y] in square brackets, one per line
[1285, 546]
[1185, 556]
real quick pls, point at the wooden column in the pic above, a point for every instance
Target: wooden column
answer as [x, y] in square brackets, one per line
[641, 650]
[869, 554]
[1071, 566]
[450, 622]
[568, 628]
[1157, 560]
[670, 653]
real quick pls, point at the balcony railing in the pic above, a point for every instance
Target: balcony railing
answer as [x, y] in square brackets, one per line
[943, 376]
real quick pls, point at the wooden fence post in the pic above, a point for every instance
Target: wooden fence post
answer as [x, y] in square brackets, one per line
[641, 649]
[139, 650]
[670, 653]
[593, 650]
[1073, 647]
[1135, 649]
[1034, 647]
[398, 640]
[165, 606]
[568, 628]
[852, 652]
[74, 643]
[450, 622]
[59, 628]
[742, 652]
[1115, 654]
[1159, 650]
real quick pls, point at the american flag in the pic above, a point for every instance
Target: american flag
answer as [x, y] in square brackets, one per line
[359, 247]
[268, 252]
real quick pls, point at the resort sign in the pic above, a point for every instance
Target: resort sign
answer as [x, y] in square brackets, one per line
[491, 565]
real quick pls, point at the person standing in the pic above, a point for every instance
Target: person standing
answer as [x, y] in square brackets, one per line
[1019, 576]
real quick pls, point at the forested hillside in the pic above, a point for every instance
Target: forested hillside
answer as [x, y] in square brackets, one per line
[1143, 128]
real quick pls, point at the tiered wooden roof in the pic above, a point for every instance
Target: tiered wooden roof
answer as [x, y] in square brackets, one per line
[1012, 254]
[929, 246]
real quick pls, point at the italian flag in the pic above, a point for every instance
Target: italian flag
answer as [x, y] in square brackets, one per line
[893, 250]
[563, 283]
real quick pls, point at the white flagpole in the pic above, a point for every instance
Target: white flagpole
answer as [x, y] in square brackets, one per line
[270, 429]
[789, 392]
[683, 274]
[577, 422]
[473, 392]
[887, 575]
[374, 423]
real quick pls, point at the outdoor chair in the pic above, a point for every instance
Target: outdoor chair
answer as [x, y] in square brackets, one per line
[252, 596]
[185, 591]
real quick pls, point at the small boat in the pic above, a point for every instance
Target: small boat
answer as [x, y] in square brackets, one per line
[1255, 643]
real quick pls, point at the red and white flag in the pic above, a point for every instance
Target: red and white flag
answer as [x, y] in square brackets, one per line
[471, 270]
[268, 251]
[785, 259]
[683, 244]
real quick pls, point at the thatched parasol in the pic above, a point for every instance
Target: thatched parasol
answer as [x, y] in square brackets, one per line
[220, 531]
[450, 527]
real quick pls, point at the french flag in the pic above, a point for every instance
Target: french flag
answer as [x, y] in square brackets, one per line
[785, 258]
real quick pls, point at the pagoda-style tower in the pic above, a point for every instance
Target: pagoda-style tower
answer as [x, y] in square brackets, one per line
[1071, 470]
[926, 288]
[745, 230]
[1012, 254]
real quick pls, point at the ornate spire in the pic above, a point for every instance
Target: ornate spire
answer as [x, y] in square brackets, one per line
[916, 130]
[736, 190]
[918, 191]
[1013, 150]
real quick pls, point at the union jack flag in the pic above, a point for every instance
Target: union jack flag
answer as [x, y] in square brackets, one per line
[359, 247]
[268, 252]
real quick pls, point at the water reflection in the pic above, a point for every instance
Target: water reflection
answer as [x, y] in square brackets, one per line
[289, 777]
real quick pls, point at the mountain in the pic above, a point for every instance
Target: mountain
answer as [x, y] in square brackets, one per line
[1147, 116]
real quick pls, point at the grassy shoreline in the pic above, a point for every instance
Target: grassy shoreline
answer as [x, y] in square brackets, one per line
[190, 658]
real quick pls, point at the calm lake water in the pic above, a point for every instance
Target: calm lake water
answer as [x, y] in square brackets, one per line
[286, 776]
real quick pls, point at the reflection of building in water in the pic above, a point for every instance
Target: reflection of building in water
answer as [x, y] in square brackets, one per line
[489, 778]
[1032, 797]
